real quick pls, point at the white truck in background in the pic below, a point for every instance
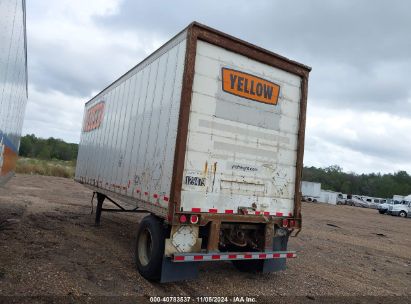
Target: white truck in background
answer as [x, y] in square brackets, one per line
[207, 136]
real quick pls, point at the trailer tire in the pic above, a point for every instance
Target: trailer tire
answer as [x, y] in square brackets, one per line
[149, 249]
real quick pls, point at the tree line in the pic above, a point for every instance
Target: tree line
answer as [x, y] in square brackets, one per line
[47, 149]
[373, 184]
[331, 178]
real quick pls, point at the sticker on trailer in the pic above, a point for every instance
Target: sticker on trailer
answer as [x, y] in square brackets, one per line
[94, 117]
[249, 86]
[195, 181]
[242, 167]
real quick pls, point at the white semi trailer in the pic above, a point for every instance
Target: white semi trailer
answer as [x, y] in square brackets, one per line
[207, 136]
[13, 83]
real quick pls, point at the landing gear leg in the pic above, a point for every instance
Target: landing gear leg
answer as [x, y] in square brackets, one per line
[100, 200]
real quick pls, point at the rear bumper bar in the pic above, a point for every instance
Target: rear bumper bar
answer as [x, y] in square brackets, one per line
[228, 256]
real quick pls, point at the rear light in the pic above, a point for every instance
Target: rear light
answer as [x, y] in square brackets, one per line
[291, 223]
[285, 223]
[194, 219]
[183, 219]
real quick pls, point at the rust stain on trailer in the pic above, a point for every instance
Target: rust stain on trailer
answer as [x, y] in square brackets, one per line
[249, 86]
[205, 168]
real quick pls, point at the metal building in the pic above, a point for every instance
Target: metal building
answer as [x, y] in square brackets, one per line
[13, 82]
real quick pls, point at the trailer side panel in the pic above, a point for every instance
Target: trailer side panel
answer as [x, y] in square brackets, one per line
[129, 130]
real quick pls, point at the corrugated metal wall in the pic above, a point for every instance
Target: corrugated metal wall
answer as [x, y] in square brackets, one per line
[132, 151]
[13, 82]
[240, 151]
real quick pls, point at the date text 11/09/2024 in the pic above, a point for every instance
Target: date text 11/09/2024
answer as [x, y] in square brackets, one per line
[205, 299]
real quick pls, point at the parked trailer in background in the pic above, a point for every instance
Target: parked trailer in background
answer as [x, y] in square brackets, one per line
[13, 82]
[311, 191]
[206, 135]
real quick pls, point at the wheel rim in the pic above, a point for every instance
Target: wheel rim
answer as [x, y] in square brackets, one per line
[145, 246]
[402, 214]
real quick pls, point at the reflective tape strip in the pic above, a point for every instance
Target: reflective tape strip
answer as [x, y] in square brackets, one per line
[227, 256]
[230, 211]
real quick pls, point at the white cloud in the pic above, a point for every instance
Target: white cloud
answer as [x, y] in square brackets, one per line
[371, 141]
[54, 114]
[359, 96]
[70, 59]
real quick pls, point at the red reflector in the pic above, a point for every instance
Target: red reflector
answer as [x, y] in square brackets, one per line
[266, 213]
[257, 213]
[292, 223]
[262, 256]
[194, 219]
[212, 210]
[276, 255]
[279, 214]
[232, 256]
[195, 209]
[290, 255]
[285, 223]
[198, 257]
[179, 258]
[183, 219]
[248, 256]
[166, 198]
[215, 257]
[229, 211]
[155, 195]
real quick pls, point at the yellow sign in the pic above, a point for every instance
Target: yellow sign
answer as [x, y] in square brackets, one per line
[250, 86]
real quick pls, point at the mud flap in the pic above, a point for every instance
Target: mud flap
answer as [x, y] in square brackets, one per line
[173, 272]
[279, 244]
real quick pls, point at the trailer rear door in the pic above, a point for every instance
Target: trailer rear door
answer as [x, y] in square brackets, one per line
[242, 139]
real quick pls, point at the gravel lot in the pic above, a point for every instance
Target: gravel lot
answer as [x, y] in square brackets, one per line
[49, 246]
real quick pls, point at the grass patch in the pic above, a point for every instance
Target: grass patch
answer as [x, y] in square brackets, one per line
[53, 167]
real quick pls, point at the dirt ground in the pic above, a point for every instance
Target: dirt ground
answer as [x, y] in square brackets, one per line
[50, 246]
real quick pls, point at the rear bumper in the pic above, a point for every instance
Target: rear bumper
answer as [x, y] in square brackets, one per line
[229, 256]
